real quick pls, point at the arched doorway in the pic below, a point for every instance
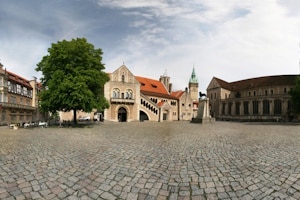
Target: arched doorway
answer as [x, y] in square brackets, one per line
[143, 116]
[122, 115]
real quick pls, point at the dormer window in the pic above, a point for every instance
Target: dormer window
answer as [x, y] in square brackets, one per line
[154, 86]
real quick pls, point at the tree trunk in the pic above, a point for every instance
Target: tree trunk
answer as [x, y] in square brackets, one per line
[74, 120]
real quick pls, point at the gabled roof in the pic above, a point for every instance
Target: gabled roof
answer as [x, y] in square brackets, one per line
[222, 83]
[18, 79]
[153, 87]
[177, 94]
[257, 82]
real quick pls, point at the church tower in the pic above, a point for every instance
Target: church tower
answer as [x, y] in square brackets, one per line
[193, 86]
[165, 79]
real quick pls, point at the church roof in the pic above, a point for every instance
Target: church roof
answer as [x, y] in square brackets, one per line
[257, 82]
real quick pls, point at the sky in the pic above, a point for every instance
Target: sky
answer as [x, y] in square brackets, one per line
[228, 39]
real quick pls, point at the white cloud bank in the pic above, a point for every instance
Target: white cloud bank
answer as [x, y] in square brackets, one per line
[229, 39]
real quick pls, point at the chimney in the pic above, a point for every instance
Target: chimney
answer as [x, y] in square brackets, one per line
[170, 88]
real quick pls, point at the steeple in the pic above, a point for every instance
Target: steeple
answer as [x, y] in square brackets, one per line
[193, 86]
[193, 78]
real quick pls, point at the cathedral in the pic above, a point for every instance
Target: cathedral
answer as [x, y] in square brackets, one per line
[136, 98]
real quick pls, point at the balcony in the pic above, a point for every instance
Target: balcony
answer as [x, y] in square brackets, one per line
[16, 106]
[122, 101]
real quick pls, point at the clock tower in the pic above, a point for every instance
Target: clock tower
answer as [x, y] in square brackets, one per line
[193, 86]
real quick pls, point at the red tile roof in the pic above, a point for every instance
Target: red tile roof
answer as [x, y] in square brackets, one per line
[160, 104]
[18, 79]
[258, 82]
[153, 87]
[177, 94]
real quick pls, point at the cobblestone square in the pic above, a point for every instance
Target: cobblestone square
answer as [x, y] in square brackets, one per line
[150, 160]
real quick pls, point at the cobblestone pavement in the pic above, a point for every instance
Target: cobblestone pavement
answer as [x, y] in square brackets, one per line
[148, 160]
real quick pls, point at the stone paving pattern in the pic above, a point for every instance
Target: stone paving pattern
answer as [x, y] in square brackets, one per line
[177, 160]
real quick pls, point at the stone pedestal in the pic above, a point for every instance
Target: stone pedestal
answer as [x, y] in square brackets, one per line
[203, 112]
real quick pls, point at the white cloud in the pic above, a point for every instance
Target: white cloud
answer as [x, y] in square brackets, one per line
[230, 39]
[233, 42]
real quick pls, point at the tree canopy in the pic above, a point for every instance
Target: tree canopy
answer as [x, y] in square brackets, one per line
[295, 96]
[73, 77]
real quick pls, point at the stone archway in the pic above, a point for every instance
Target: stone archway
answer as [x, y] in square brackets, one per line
[143, 116]
[122, 114]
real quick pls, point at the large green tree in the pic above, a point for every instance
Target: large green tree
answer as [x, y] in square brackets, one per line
[295, 97]
[73, 77]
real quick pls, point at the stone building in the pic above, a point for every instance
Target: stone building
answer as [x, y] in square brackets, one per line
[136, 98]
[18, 99]
[256, 99]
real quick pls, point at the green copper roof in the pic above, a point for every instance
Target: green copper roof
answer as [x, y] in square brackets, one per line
[193, 78]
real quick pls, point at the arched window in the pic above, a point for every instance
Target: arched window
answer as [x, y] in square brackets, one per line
[266, 107]
[255, 107]
[129, 94]
[123, 78]
[277, 107]
[116, 93]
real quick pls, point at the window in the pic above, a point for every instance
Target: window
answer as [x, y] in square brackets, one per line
[255, 107]
[254, 93]
[18, 89]
[266, 107]
[237, 108]
[29, 93]
[116, 93]
[129, 94]
[13, 99]
[277, 107]
[123, 78]
[272, 92]
[24, 91]
[223, 108]
[229, 108]
[284, 90]
[9, 85]
[173, 103]
[246, 108]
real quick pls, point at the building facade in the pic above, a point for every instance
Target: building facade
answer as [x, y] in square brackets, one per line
[18, 99]
[256, 99]
[136, 98]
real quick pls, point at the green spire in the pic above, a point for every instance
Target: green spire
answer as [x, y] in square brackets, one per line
[193, 78]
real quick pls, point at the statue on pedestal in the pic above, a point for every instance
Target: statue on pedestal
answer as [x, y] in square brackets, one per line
[203, 115]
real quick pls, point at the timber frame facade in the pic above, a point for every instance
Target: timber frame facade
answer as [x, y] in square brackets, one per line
[18, 99]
